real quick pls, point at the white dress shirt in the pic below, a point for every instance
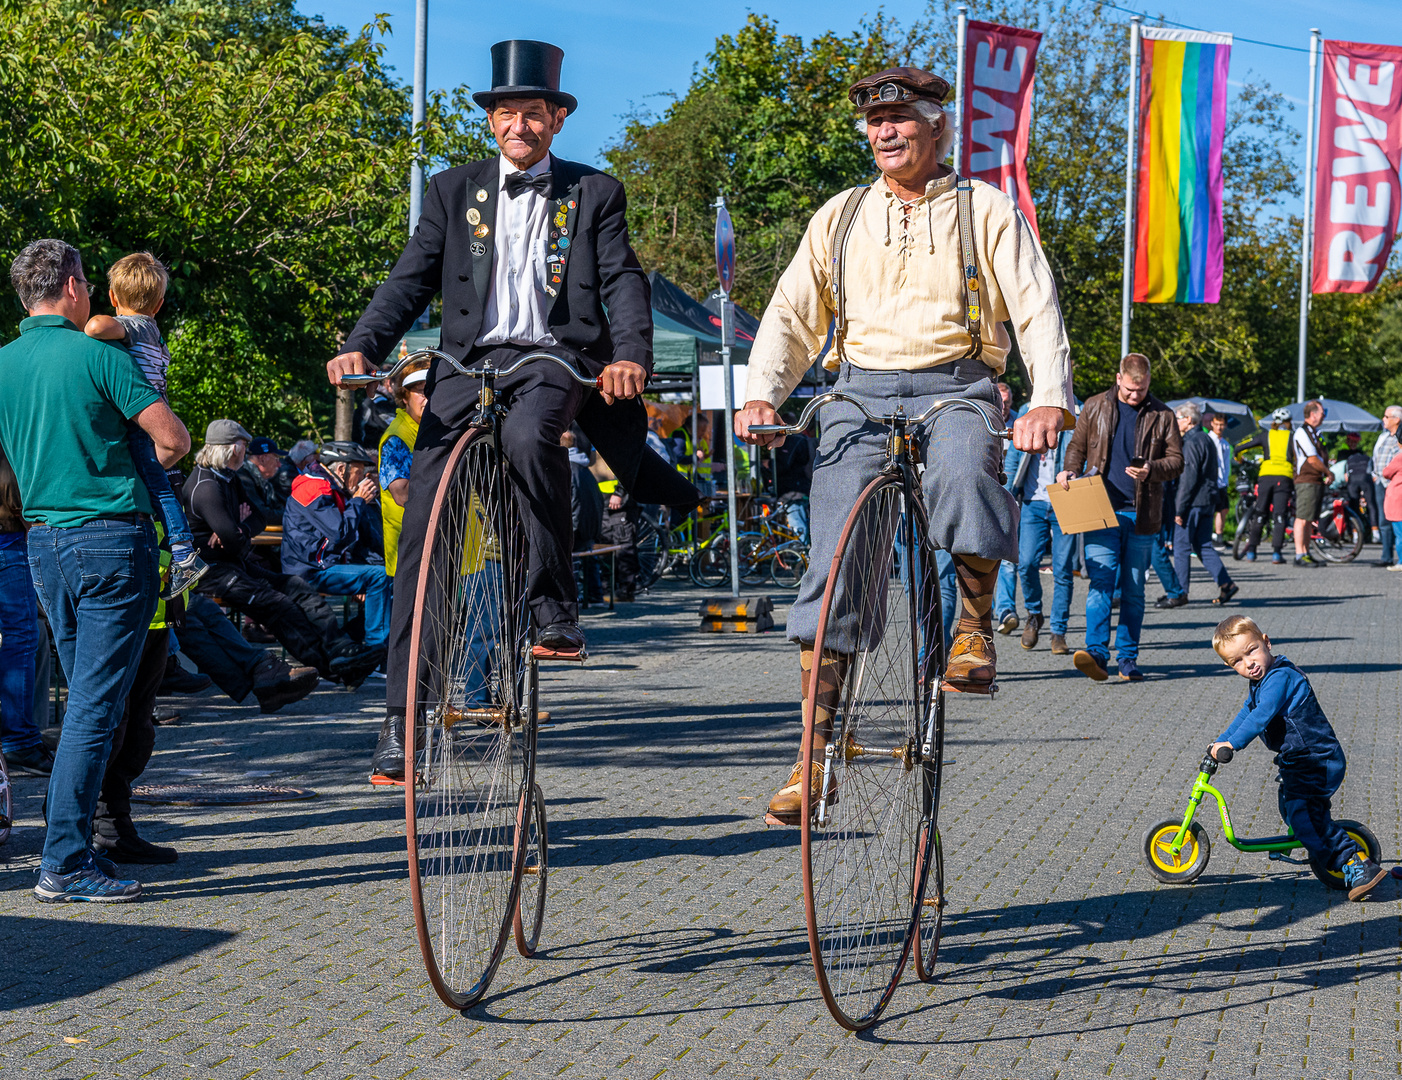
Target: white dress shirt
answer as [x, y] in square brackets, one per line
[517, 303]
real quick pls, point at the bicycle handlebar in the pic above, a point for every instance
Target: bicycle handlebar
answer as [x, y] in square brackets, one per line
[357, 381]
[1224, 755]
[983, 408]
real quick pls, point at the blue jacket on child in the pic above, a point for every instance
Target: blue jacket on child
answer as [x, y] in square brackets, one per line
[1282, 710]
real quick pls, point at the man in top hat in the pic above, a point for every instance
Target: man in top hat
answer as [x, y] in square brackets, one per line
[530, 253]
[925, 298]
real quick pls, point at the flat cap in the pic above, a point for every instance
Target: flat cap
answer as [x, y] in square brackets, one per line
[224, 432]
[895, 85]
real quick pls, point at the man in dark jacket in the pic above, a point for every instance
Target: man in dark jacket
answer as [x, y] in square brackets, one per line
[1129, 437]
[1196, 504]
[530, 253]
[331, 534]
[224, 523]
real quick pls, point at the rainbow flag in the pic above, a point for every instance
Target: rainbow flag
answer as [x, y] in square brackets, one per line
[1182, 117]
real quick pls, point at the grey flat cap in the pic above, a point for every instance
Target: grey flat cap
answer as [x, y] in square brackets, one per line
[224, 432]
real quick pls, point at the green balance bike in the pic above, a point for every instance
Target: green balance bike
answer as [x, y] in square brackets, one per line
[1177, 849]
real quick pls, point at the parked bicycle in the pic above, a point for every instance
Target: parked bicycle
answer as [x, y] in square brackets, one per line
[873, 872]
[1337, 536]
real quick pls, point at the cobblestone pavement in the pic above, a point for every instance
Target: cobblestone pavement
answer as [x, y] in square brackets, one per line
[282, 943]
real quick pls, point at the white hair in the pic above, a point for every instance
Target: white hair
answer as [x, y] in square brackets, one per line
[930, 112]
[301, 450]
[217, 455]
[1393, 410]
[1189, 412]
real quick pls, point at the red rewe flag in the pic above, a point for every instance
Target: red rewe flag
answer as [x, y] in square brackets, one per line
[1360, 151]
[998, 61]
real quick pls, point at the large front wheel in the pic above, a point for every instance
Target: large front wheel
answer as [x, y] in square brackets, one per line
[868, 845]
[472, 695]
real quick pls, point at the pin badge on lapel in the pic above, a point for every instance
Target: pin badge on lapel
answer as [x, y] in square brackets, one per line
[481, 231]
[481, 194]
[474, 216]
[479, 249]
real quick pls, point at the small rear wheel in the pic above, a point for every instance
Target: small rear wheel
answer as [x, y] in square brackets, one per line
[787, 567]
[530, 911]
[1183, 866]
[932, 903]
[1361, 835]
[711, 566]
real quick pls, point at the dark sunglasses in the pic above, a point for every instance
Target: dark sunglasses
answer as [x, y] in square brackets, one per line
[886, 92]
[85, 283]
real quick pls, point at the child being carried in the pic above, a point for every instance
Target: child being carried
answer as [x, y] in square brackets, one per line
[137, 291]
[1282, 710]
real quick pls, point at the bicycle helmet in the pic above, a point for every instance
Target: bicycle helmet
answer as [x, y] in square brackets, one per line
[1280, 416]
[344, 450]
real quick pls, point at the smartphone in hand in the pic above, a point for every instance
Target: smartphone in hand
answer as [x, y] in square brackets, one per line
[1137, 463]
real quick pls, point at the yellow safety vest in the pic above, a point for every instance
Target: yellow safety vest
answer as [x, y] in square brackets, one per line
[407, 428]
[1277, 459]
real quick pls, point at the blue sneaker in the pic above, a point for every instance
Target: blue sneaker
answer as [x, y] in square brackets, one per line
[1129, 672]
[87, 884]
[1250, 556]
[1277, 558]
[1361, 874]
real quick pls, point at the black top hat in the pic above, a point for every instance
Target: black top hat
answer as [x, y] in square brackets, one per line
[526, 69]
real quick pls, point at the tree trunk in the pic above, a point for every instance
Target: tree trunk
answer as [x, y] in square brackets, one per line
[345, 410]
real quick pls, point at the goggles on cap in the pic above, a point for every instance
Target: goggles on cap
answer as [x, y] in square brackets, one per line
[415, 378]
[885, 92]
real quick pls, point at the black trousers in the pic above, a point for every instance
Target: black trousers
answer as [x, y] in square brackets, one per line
[217, 649]
[259, 594]
[133, 741]
[1273, 495]
[542, 401]
[621, 527]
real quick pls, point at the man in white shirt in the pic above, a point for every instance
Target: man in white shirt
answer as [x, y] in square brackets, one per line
[1310, 472]
[1217, 430]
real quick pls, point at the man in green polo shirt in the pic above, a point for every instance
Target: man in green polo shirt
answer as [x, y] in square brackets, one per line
[92, 546]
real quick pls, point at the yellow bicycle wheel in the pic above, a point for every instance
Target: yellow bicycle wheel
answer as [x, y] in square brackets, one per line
[1361, 835]
[1187, 863]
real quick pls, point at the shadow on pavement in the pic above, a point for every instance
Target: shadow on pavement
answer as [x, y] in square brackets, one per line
[49, 960]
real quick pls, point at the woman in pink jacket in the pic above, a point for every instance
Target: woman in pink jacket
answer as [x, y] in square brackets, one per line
[1392, 504]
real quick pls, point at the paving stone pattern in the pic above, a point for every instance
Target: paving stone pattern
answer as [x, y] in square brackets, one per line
[282, 943]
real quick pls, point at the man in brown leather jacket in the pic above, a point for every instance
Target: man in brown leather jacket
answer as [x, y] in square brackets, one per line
[1131, 438]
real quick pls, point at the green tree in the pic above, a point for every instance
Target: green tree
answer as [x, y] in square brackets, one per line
[262, 155]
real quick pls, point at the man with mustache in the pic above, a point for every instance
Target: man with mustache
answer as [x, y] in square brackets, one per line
[915, 329]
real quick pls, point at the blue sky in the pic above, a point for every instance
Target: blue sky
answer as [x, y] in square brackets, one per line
[621, 54]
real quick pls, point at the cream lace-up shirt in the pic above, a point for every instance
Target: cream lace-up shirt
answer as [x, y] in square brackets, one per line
[905, 294]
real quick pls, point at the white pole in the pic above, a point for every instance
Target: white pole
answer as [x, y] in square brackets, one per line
[1307, 225]
[1131, 175]
[962, 39]
[416, 170]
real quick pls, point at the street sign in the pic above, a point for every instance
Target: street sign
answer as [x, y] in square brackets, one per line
[725, 247]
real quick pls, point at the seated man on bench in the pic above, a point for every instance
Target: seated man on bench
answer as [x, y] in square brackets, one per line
[331, 534]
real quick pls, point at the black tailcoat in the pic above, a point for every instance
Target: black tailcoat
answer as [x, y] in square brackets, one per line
[598, 273]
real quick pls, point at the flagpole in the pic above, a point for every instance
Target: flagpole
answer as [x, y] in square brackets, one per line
[1131, 174]
[1307, 224]
[961, 38]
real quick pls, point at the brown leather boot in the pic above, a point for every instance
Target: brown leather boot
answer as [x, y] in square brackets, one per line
[1031, 631]
[973, 664]
[786, 805]
[1059, 646]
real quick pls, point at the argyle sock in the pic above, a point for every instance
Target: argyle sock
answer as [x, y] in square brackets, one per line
[831, 673]
[977, 578]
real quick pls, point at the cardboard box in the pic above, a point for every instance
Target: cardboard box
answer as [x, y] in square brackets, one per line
[1083, 508]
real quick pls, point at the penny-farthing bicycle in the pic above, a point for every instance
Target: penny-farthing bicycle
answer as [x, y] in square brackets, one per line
[474, 815]
[873, 869]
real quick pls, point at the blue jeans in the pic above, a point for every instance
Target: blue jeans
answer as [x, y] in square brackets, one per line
[348, 579]
[1163, 562]
[1396, 544]
[19, 637]
[1388, 534]
[1038, 529]
[949, 594]
[98, 583]
[1005, 594]
[1116, 557]
[153, 475]
[1195, 535]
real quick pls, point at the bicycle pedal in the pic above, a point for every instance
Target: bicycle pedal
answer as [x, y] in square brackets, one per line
[540, 652]
[981, 691]
[385, 781]
[770, 819]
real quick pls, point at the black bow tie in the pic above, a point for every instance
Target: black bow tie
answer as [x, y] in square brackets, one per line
[518, 182]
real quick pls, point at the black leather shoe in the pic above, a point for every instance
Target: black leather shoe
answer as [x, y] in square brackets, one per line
[31, 761]
[1171, 601]
[133, 849]
[293, 686]
[389, 751]
[1226, 592]
[562, 637]
[179, 681]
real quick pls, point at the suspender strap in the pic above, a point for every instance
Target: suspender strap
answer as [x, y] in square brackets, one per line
[973, 299]
[839, 265]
